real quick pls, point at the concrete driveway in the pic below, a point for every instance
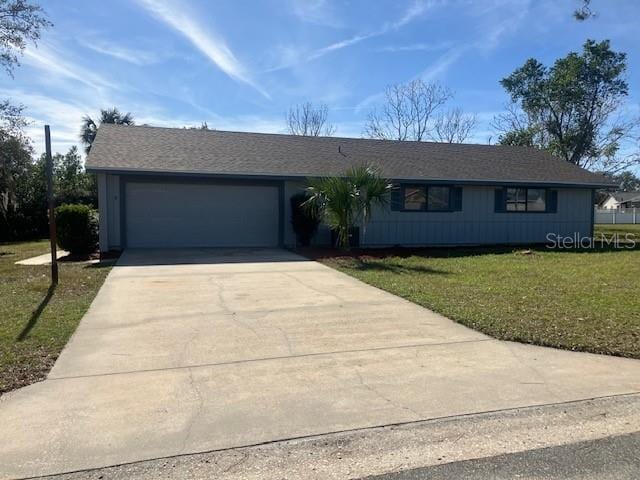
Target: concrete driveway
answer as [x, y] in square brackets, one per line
[185, 351]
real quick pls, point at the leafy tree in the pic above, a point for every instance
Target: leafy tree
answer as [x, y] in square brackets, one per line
[347, 201]
[20, 22]
[584, 12]
[12, 122]
[23, 195]
[22, 186]
[568, 108]
[628, 181]
[15, 160]
[109, 115]
[309, 120]
[72, 183]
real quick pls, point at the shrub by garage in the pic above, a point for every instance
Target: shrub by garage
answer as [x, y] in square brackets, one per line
[77, 228]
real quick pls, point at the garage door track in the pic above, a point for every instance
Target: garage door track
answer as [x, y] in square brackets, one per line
[185, 351]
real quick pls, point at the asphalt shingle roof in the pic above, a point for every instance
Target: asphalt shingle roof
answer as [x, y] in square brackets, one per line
[165, 150]
[626, 196]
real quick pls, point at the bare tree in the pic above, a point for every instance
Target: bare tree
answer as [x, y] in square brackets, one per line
[517, 127]
[408, 111]
[454, 126]
[309, 120]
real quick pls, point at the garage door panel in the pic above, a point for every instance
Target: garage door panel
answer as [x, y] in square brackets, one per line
[201, 215]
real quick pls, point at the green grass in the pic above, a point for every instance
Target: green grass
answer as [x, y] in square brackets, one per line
[577, 300]
[35, 325]
[619, 229]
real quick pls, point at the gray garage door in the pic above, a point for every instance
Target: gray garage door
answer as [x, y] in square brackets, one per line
[201, 215]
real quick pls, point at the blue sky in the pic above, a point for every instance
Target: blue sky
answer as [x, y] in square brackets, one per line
[239, 65]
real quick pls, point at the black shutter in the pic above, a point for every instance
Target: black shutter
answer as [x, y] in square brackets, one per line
[500, 204]
[397, 198]
[552, 201]
[456, 199]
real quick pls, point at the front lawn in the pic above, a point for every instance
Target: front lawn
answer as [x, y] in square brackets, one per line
[577, 300]
[35, 323]
[621, 230]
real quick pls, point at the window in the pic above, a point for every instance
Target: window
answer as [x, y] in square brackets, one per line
[438, 198]
[516, 199]
[526, 200]
[421, 198]
[415, 198]
[536, 200]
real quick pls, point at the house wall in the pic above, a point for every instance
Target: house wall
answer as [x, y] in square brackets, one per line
[610, 203]
[109, 210]
[476, 224]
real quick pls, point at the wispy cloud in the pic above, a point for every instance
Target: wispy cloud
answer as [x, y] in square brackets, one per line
[415, 10]
[415, 47]
[487, 40]
[136, 57]
[321, 52]
[443, 63]
[64, 117]
[45, 59]
[318, 12]
[211, 45]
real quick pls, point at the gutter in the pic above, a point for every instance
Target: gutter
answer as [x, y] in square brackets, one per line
[298, 177]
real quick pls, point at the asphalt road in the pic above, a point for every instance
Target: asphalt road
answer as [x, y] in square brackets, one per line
[615, 458]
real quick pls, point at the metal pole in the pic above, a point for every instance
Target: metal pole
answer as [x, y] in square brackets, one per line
[52, 213]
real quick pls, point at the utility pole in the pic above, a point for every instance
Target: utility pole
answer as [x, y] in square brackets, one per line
[52, 213]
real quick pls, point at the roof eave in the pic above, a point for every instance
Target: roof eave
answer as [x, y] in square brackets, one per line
[293, 177]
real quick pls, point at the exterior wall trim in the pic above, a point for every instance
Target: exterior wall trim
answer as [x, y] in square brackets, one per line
[103, 213]
[593, 213]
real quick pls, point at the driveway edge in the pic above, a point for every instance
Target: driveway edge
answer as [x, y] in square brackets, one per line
[391, 448]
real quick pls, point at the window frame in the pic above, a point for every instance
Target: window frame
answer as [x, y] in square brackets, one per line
[426, 187]
[526, 200]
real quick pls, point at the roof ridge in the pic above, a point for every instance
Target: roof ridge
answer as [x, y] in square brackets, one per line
[320, 137]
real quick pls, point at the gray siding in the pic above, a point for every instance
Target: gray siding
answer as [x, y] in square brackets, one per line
[476, 224]
[109, 208]
[479, 224]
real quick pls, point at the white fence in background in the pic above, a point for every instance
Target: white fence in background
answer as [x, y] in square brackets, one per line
[614, 217]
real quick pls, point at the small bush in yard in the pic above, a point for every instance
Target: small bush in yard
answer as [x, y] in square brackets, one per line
[77, 228]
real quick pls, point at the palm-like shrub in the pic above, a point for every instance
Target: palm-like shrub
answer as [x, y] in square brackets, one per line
[109, 115]
[347, 201]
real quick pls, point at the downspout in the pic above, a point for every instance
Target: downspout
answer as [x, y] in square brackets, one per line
[593, 213]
